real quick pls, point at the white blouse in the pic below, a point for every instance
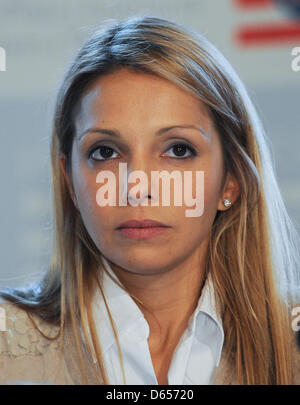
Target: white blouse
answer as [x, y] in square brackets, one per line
[197, 353]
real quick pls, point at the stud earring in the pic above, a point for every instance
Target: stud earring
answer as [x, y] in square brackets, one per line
[226, 202]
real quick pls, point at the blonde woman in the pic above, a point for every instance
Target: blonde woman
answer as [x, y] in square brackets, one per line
[139, 292]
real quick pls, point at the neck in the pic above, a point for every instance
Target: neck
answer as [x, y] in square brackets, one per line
[169, 298]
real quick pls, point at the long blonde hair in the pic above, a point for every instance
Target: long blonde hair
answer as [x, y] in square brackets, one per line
[253, 252]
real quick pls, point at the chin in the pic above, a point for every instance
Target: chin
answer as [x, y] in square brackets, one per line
[142, 263]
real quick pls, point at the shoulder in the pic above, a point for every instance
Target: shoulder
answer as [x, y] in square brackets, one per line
[294, 310]
[19, 336]
[26, 356]
[295, 345]
[296, 362]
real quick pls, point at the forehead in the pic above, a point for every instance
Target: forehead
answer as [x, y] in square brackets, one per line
[138, 97]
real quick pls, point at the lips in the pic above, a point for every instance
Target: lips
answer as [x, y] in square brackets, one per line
[145, 223]
[142, 229]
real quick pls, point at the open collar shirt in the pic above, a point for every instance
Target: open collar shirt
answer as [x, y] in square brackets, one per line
[195, 358]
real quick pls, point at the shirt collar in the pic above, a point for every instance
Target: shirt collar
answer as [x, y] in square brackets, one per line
[126, 314]
[206, 317]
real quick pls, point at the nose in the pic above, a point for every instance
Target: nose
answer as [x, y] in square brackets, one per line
[139, 181]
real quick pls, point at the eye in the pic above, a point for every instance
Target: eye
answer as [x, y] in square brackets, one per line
[180, 150]
[102, 152]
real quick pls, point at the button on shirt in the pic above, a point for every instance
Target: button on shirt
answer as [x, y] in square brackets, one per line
[196, 355]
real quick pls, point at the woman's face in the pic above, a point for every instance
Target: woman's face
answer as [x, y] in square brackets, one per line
[137, 106]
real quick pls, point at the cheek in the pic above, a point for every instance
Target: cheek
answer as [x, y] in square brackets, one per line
[212, 183]
[199, 227]
[210, 195]
[213, 174]
[85, 187]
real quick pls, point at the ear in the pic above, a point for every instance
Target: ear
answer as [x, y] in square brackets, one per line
[63, 166]
[230, 192]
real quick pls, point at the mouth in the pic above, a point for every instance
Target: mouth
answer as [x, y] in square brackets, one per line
[142, 229]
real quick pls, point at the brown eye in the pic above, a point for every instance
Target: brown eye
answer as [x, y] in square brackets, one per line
[180, 149]
[101, 153]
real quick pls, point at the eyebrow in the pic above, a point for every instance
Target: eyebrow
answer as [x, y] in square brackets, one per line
[161, 131]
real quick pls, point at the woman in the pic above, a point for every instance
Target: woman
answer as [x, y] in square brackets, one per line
[198, 298]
